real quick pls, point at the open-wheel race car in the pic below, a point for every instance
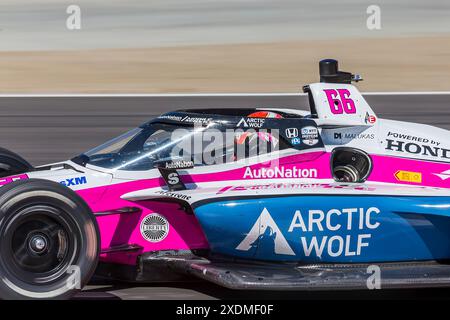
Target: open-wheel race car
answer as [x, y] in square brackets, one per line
[262, 198]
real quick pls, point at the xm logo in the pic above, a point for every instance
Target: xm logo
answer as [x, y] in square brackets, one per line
[74, 181]
[264, 222]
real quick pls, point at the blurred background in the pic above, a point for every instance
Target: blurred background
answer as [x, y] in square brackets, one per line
[161, 46]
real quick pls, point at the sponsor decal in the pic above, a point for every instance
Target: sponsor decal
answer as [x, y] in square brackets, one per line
[69, 182]
[291, 133]
[199, 120]
[409, 137]
[417, 149]
[369, 119]
[173, 178]
[443, 175]
[335, 220]
[310, 135]
[154, 227]
[7, 180]
[309, 224]
[408, 176]
[269, 186]
[182, 164]
[340, 101]
[301, 186]
[296, 141]
[171, 117]
[354, 136]
[251, 122]
[174, 195]
[279, 172]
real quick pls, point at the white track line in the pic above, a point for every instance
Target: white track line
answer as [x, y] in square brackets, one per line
[194, 95]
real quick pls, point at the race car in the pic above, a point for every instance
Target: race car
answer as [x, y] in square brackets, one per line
[262, 198]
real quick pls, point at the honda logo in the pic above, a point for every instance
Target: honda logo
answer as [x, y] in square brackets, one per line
[292, 133]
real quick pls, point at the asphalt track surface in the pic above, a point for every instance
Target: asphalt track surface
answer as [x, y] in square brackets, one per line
[49, 129]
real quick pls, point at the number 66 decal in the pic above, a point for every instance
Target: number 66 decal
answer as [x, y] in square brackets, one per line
[340, 101]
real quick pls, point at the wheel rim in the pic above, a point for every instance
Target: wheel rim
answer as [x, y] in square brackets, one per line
[42, 244]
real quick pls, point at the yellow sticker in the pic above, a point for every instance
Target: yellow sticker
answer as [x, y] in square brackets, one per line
[408, 176]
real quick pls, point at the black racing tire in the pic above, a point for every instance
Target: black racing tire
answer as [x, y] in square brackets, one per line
[49, 241]
[11, 163]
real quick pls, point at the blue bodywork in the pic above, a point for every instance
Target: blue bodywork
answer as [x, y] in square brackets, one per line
[329, 228]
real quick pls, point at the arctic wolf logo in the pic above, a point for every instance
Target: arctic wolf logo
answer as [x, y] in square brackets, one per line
[265, 223]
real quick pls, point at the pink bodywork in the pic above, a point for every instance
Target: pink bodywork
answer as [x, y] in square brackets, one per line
[6, 180]
[124, 229]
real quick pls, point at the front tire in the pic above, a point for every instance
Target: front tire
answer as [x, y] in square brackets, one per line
[49, 241]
